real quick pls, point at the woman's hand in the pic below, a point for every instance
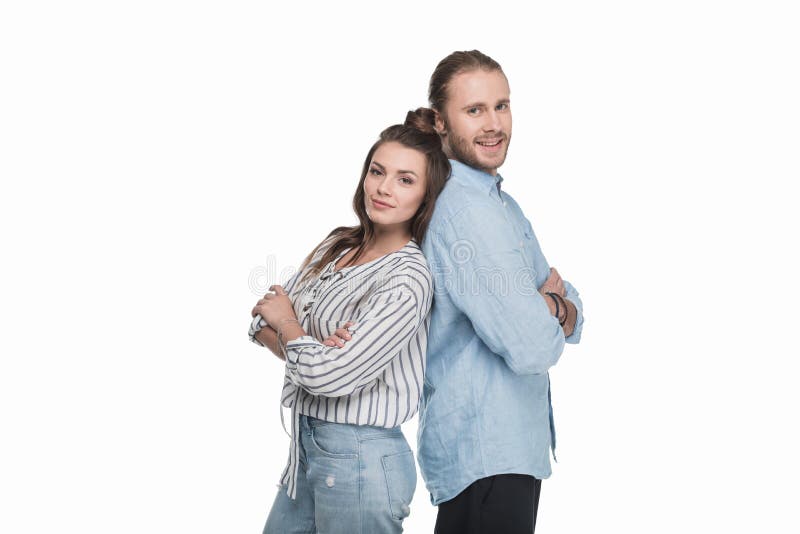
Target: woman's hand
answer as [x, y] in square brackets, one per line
[275, 307]
[338, 338]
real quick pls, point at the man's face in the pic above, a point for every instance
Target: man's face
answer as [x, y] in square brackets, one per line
[477, 119]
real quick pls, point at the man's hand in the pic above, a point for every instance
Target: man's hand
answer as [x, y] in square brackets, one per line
[275, 307]
[553, 284]
[339, 337]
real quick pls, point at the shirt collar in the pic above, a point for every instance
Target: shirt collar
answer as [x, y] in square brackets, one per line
[481, 179]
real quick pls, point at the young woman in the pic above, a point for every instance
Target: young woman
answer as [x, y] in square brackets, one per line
[352, 327]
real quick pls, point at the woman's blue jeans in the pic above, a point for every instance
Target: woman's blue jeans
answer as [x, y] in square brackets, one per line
[352, 479]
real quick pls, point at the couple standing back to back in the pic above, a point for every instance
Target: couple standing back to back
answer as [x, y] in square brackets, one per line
[440, 299]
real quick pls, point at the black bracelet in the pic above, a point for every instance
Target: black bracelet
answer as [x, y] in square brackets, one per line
[566, 310]
[556, 298]
[558, 308]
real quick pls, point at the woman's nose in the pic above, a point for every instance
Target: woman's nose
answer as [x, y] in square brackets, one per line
[384, 187]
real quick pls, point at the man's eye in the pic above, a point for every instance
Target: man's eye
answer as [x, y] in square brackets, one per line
[502, 106]
[473, 111]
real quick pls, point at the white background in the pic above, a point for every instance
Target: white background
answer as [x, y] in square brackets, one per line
[164, 162]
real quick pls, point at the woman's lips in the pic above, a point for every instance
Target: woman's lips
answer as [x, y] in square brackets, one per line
[380, 205]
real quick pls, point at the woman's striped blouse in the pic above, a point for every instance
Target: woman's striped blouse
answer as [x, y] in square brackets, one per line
[376, 378]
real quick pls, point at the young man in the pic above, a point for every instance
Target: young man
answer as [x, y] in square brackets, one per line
[500, 319]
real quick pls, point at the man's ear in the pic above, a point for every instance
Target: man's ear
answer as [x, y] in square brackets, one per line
[438, 123]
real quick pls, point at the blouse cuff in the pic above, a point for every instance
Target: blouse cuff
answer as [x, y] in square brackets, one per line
[294, 347]
[255, 325]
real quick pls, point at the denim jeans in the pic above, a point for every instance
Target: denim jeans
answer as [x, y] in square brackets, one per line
[352, 479]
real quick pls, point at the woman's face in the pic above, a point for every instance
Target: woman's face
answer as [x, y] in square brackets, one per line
[395, 185]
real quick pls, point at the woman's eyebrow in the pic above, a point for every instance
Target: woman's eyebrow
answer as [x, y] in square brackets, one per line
[401, 171]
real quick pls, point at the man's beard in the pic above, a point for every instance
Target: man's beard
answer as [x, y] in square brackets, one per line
[466, 152]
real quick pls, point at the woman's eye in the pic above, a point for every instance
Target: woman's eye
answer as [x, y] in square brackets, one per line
[406, 180]
[375, 171]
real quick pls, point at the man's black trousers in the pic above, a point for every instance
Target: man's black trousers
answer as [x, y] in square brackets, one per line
[500, 504]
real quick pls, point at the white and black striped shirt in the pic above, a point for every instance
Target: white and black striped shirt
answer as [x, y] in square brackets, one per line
[376, 378]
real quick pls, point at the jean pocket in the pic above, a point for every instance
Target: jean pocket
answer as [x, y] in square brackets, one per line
[401, 481]
[334, 441]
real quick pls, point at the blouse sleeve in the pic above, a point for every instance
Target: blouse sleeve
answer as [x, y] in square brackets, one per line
[386, 323]
[257, 323]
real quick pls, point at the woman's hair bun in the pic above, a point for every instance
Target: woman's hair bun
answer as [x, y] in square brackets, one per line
[423, 119]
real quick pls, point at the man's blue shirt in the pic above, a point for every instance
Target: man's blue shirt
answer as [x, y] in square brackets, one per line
[485, 408]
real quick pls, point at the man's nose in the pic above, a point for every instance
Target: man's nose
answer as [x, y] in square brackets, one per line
[492, 123]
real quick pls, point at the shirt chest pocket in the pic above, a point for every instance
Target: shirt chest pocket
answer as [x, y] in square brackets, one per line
[528, 232]
[527, 243]
[528, 236]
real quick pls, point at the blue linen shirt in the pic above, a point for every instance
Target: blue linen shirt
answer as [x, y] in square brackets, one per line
[485, 408]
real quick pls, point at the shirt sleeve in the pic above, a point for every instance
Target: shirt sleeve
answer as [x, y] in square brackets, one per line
[574, 297]
[543, 269]
[491, 283]
[385, 324]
